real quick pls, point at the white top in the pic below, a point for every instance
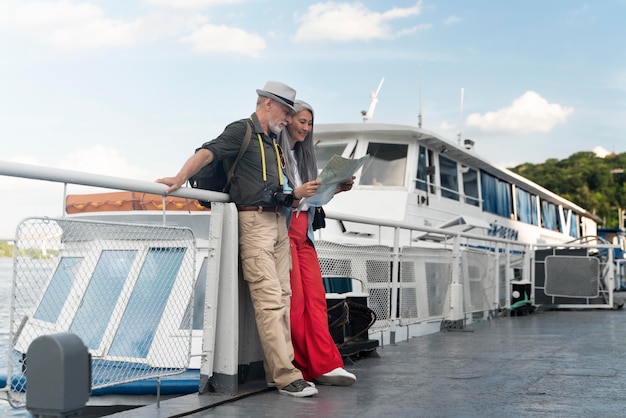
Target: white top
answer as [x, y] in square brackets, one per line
[303, 206]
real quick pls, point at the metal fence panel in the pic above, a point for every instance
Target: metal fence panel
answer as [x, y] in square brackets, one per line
[368, 265]
[122, 288]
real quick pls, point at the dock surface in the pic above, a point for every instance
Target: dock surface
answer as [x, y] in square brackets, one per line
[547, 364]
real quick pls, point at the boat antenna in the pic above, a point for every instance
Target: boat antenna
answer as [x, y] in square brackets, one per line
[367, 115]
[461, 119]
[419, 91]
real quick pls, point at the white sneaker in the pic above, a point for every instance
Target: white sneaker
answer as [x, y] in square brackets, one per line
[298, 388]
[337, 377]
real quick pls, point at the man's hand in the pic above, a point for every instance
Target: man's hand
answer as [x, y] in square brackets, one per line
[344, 187]
[201, 158]
[174, 183]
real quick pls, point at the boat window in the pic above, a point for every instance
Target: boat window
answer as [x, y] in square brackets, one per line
[448, 176]
[549, 216]
[96, 307]
[58, 290]
[496, 195]
[196, 302]
[534, 210]
[422, 172]
[470, 186]
[153, 288]
[324, 151]
[526, 205]
[573, 225]
[386, 165]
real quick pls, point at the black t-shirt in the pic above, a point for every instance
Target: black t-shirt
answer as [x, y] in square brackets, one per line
[247, 186]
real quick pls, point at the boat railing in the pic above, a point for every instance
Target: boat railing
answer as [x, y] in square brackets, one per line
[414, 275]
[621, 274]
[122, 288]
[66, 177]
[414, 278]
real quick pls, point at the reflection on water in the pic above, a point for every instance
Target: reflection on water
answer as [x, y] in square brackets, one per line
[6, 278]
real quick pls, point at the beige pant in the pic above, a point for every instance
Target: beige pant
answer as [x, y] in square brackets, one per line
[265, 260]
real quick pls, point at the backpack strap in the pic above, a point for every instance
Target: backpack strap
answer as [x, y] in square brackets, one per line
[244, 146]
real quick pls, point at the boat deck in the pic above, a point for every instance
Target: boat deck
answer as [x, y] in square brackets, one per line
[547, 364]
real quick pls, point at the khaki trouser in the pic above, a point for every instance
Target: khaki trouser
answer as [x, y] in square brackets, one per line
[265, 260]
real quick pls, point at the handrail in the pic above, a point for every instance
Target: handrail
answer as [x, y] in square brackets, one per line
[36, 172]
[420, 228]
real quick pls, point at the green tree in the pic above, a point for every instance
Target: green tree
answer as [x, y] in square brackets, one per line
[594, 183]
[6, 249]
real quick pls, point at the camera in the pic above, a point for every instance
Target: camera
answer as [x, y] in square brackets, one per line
[283, 199]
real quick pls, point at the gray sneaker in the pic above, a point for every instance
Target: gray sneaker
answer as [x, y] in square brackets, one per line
[299, 389]
[273, 384]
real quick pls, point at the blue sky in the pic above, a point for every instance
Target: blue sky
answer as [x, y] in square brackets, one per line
[131, 87]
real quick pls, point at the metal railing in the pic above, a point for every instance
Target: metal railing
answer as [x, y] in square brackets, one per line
[411, 275]
[415, 274]
[123, 289]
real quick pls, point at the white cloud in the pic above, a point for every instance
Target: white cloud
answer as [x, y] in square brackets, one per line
[26, 197]
[528, 113]
[99, 159]
[451, 20]
[507, 164]
[352, 21]
[212, 38]
[600, 151]
[100, 33]
[190, 4]
[32, 14]
[71, 25]
[448, 126]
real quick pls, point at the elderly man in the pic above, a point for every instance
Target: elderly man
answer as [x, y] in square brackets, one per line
[257, 190]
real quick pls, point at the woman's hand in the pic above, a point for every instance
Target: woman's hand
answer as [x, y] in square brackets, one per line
[308, 189]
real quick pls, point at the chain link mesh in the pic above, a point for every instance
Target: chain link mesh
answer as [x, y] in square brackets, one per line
[368, 265]
[479, 269]
[425, 276]
[122, 288]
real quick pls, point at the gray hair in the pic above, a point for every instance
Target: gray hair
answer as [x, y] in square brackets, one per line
[304, 152]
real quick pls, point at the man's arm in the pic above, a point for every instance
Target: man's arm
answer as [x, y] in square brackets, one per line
[198, 160]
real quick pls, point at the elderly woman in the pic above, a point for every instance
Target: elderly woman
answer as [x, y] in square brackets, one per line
[315, 352]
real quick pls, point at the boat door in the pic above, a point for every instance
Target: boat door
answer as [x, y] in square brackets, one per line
[425, 175]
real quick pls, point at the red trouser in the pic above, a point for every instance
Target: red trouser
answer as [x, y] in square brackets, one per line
[315, 351]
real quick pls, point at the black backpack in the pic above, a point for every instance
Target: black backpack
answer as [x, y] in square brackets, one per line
[213, 176]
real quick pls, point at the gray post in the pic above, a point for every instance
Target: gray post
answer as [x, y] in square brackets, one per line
[58, 376]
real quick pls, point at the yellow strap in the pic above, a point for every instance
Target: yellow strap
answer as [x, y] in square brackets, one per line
[262, 157]
[280, 171]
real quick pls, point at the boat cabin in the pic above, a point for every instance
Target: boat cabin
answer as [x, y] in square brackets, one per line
[416, 176]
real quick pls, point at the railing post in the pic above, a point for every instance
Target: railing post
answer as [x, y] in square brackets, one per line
[219, 369]
[395, 283]
[456, 314]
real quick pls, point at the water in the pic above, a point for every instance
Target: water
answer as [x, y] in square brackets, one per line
[6, 277]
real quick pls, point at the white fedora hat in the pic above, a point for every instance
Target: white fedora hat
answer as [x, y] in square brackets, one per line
[280, 92]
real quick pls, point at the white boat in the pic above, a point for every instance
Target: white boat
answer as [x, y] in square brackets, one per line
[431, 237]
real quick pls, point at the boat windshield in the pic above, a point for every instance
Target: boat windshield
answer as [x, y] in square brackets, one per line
[324, 152]
[386, 166]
